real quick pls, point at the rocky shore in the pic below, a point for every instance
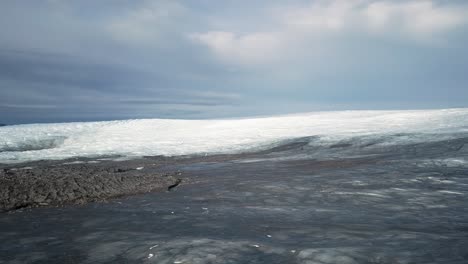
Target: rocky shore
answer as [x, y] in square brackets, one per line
[77, 183]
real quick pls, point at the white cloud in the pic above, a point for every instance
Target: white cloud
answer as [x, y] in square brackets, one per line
[295, 26]
[417, 17]
[248, 48]
[146, 24]
[321, 15]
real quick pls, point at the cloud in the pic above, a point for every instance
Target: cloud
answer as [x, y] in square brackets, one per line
[195, 98]
[248, 48]
[306, 26]
[413, 16]
[147, 23]
[73, 88]
[32, 106]
[418, 17]
[321, 16]
[169, 58]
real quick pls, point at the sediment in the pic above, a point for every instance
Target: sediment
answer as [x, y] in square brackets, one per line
[76, 184]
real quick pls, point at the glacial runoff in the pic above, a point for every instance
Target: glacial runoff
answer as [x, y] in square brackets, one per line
[148, 137]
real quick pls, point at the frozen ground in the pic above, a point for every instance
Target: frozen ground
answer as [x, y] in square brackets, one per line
[362, 199]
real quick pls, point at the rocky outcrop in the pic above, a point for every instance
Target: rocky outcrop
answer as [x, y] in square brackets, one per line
[76, 184]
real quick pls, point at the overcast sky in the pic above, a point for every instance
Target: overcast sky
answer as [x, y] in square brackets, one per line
[119, 59]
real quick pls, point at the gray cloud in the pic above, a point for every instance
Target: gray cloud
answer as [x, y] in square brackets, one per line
[90, 60]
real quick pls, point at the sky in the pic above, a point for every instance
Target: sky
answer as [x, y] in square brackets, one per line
[196, 59]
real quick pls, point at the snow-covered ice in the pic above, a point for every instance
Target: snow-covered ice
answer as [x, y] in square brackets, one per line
[133, 138]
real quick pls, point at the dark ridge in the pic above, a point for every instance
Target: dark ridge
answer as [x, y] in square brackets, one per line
[21, 206]
[178, 181]
[123, 170]
[341, 145]
[1, 125]
[288, 145]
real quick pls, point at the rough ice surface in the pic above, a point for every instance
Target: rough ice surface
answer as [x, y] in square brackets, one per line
[131, 138]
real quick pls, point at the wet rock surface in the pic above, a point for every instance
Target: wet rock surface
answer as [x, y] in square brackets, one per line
[59, 184]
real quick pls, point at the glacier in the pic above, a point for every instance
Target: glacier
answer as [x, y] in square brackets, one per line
[172, 137]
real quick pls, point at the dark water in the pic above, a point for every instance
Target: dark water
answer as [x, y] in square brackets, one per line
[364, 200]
